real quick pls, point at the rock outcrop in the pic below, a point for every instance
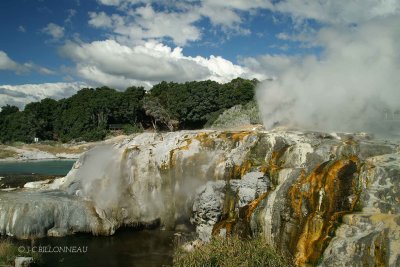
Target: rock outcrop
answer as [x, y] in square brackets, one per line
[328, 199]
[28, 214]
[320, 181]
[212, 200]
[371, 236]
[142, 180]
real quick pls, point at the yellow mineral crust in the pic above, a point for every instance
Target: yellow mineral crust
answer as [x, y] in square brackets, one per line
[253, 205]
[317, 201]
[274, 164]
[172, 155]
[205, 140]
[240, 170]
[239, 221]
[235, 136]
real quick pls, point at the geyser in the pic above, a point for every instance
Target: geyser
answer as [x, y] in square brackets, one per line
[352, 86]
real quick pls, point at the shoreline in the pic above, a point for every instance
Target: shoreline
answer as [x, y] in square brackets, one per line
[44, 151]
[29, 152]
[12, 160]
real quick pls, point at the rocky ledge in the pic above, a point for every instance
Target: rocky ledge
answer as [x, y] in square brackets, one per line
[327, 199]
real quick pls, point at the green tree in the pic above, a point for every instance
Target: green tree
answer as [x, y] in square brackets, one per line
[130, 106]
[18, 126]
[192, 104]
[88, 114]
[159, 114]
[43, 117]
[84, 116]
[238, 91]
[8, 109]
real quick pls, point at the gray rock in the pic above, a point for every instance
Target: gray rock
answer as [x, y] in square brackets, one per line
[207, 208]
[208, 203]
[372, 237]
[23, 261]
[26, 214]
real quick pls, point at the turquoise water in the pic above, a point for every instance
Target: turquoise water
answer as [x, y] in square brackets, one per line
[39, 167]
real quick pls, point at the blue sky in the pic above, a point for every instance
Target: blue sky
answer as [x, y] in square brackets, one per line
[24, 20]
[67, 44]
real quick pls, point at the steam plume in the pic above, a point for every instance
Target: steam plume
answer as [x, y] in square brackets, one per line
[353, 86]
[100, 177]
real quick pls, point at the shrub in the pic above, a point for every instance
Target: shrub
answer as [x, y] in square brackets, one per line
[131, 129]
[239, 115]
[231, 251]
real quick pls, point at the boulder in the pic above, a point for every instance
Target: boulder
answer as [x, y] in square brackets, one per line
[23, 261]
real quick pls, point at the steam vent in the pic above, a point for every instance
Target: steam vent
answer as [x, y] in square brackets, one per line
[323, 199]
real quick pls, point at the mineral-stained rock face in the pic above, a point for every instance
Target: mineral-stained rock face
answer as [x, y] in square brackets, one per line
[372, 236]
[208, 206]
[319, 179]
[316, 202]
[329, 199]
[149, 178]
[154, 176]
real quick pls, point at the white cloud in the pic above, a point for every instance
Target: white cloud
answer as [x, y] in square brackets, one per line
[21, 28]
[269, 66]
[71, 13]
[226, 13]
[111, 63]
[138, 20]
[7, 63]
[110, 2]
[228, 16]
[238, 4]
[20, 95]
[100, 20]
[222, 70]
[55, 31]
[229, 19]
[347, 89]
[337, 11]
[29, 66]
[144, 23]
[283, 36]
[175, 25]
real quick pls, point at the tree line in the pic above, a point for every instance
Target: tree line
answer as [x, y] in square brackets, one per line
[90, 114]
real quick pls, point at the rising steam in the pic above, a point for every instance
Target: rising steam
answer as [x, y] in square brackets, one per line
[353, 86]
[128, 185]
[100, 177]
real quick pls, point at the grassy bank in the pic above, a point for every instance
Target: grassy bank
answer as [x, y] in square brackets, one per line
[9, 251]
[6, 153]
[58, 148]
[227, 252]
